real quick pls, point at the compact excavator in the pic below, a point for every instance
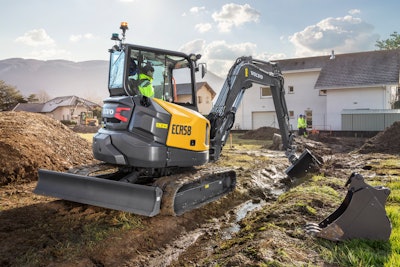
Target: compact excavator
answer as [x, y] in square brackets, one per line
[154, 149]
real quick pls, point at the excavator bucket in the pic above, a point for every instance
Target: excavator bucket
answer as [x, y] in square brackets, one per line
[361, 215]
[304, 164]
[134, 198]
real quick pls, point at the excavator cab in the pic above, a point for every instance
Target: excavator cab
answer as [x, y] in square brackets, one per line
[127, 64]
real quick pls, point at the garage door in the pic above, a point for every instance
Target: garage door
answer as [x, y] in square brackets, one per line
[264, 118]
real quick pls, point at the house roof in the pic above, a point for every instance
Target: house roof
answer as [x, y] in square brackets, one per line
[30, 107]
[64, 101]
[360, 69]
[296, 64]
[185, 88]
[49, 106]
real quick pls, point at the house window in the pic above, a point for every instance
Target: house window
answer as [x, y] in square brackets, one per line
[322, 92]
[199, 100]
[290, 89]
[265, 92]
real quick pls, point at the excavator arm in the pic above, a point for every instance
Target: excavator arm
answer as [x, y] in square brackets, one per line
[244, 72]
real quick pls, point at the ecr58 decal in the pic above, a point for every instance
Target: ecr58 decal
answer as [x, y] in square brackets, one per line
[181, 129]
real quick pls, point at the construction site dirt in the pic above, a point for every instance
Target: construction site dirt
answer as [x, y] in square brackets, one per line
[43, 231]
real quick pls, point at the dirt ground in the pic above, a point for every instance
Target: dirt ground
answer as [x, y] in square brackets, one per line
[43, 231]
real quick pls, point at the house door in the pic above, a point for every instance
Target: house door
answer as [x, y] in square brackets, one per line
[308, 114]
[264, 118]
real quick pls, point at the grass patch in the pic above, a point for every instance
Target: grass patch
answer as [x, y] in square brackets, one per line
[234, 140]
[365, 252]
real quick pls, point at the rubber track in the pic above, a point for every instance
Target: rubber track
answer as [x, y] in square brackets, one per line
[170, 185]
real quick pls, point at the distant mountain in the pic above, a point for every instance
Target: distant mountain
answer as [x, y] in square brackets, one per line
[87, 79]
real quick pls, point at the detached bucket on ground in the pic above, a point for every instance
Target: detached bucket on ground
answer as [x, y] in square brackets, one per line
[361, 215]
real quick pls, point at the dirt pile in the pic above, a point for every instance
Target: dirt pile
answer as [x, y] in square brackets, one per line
[262, 133]
[31, 141]
[387, 141]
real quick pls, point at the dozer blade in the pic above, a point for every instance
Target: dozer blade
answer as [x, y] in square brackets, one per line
[361, 215]
[191, 192]
[305, 163]
[138, 199]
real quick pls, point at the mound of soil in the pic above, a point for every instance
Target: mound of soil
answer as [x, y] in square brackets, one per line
[260, 134]
[387, 141]
[30, 141]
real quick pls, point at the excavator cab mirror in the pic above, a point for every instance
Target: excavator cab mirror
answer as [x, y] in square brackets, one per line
[203, 69]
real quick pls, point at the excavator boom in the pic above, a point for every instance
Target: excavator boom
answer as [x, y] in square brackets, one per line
[245, 72]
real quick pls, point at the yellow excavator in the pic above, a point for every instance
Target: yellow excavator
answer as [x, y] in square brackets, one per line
[155, 149]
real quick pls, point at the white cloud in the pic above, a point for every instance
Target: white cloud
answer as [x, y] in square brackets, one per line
[76, 38]
[195, 46]
[219, 55]
[235, 15]
[36, 37]
[223, 51]
[354, 11]
[343, 34]
[203, 27]
[197, 9]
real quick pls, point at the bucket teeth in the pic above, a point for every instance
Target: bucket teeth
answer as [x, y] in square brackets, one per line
[361, 215]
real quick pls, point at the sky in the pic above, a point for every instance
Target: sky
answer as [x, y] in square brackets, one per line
[219, 30]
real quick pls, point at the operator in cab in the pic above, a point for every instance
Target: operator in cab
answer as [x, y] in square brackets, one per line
[146, 81]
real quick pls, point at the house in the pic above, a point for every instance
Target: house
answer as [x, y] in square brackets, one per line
[325, 88]
[205, 95]
[64, 108]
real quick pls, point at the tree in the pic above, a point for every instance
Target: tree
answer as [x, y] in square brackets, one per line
[43, 96]
[32, 98]
[389, 44]
[9, 96]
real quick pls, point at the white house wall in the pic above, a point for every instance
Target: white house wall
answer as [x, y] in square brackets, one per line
[355, 98]
[304, 97]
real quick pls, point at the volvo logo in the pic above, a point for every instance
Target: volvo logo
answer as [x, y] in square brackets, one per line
[257, 75]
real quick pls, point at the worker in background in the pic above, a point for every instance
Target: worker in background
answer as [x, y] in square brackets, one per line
[145, 81]
[302, 125]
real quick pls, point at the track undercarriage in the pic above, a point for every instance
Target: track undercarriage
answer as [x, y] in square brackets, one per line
[148, 192]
